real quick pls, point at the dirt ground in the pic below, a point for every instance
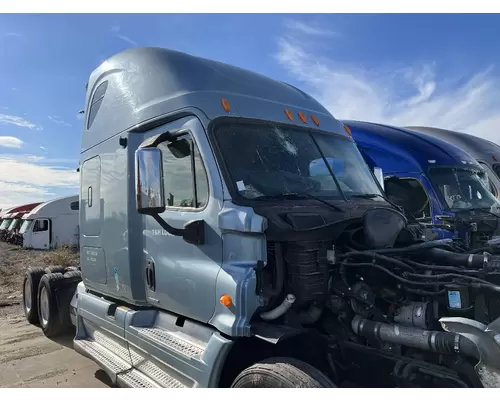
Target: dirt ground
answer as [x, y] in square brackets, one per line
[27, 357]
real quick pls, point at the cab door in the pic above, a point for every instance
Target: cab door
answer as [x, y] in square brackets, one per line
[41, 234]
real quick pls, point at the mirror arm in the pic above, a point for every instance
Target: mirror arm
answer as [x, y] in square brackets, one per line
[193, 232]
[169, 228]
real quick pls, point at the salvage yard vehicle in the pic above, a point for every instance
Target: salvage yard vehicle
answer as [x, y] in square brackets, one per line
[436, 182]
[52, 224]
[231, 235]
[484, 151]
[10, 223]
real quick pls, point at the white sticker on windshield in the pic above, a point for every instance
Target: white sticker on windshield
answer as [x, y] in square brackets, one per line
[241, 186]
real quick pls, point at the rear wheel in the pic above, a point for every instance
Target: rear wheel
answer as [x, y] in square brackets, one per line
[53, 321]
[30, 290]
[282, 373]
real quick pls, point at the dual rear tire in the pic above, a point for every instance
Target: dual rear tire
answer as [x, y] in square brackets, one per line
[47, 295]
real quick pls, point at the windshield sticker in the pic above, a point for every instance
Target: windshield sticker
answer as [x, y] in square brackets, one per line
[241, 186]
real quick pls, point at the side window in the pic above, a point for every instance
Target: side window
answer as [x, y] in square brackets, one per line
[186, 182]
[96, 102]
[41, 225]
[409, 194]
[75, 205]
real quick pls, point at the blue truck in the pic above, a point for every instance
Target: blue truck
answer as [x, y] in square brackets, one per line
[231, 235]
[484, 151]
[437, 183]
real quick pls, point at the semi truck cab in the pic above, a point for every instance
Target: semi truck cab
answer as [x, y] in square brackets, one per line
[231, 235]
[486, 153]
[51, 224]
[436, 182]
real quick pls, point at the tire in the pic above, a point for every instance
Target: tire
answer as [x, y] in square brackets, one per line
[30, 293]
[55, 269]
[73, 275]
[282, 373]
[53, 321]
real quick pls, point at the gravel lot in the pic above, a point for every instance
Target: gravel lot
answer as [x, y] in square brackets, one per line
[27, 357]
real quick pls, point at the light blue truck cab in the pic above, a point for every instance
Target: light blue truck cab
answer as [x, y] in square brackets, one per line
[486, 153]
[231, 235]
[436, 182]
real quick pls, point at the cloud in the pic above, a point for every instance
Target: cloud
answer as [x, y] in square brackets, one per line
[116, 30]
[59, 121]
[18, 121]
[309, 29]
[28, 178]
[43, 148]
[410, 95]
[11, 142]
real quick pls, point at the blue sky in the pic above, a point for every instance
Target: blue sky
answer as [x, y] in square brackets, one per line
[440, 70]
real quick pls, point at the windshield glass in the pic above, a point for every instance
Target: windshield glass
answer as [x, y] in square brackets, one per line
[24, 227]
[268, 160]
[5, 223]
[496, 168]
[13, 224]
[463, 188]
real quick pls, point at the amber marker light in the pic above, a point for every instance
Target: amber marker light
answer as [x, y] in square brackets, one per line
[226, 300]
[315, 120]
[225, 105]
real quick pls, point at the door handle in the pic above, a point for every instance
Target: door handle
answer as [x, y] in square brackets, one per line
[150, 275]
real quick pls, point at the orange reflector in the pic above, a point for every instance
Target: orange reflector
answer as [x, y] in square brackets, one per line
[315, 120]
[289, 114]
[226, 300]
[225, 105]
[348, 130]
[302, 117]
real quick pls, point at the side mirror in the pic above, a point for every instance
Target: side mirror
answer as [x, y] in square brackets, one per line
[379, 175]
[149, 193]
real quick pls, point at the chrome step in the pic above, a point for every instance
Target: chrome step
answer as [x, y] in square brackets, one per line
[172, 340]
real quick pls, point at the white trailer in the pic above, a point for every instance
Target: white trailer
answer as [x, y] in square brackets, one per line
[52, 224]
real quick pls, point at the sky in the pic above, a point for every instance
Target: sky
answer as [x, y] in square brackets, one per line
[420, 69]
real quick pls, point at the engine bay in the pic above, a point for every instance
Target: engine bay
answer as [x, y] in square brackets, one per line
[379, 290]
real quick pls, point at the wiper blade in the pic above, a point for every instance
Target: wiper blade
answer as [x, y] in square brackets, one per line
[299, 196]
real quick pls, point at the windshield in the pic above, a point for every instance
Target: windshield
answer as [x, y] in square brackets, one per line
[13, 224]
[25, 226]
[463, 188]
[265, 160]
[496, 168]
[5, 223]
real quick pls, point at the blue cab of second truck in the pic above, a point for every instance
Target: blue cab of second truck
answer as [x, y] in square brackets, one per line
[425, 174]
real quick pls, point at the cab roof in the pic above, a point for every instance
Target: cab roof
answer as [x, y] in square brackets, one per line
[403, 150]
[143, 84]
[479, 148]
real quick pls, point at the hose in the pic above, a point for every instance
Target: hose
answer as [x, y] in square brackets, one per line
[397, 277]
[415, 247]
[381, 257]
[434, 341]
[280, 310]
[474, 261]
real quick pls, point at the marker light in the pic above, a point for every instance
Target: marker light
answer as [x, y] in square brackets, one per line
[315, 120]
[348, 130]
[225, 105]
[303, 117]
[289, 114]
[226, 300]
